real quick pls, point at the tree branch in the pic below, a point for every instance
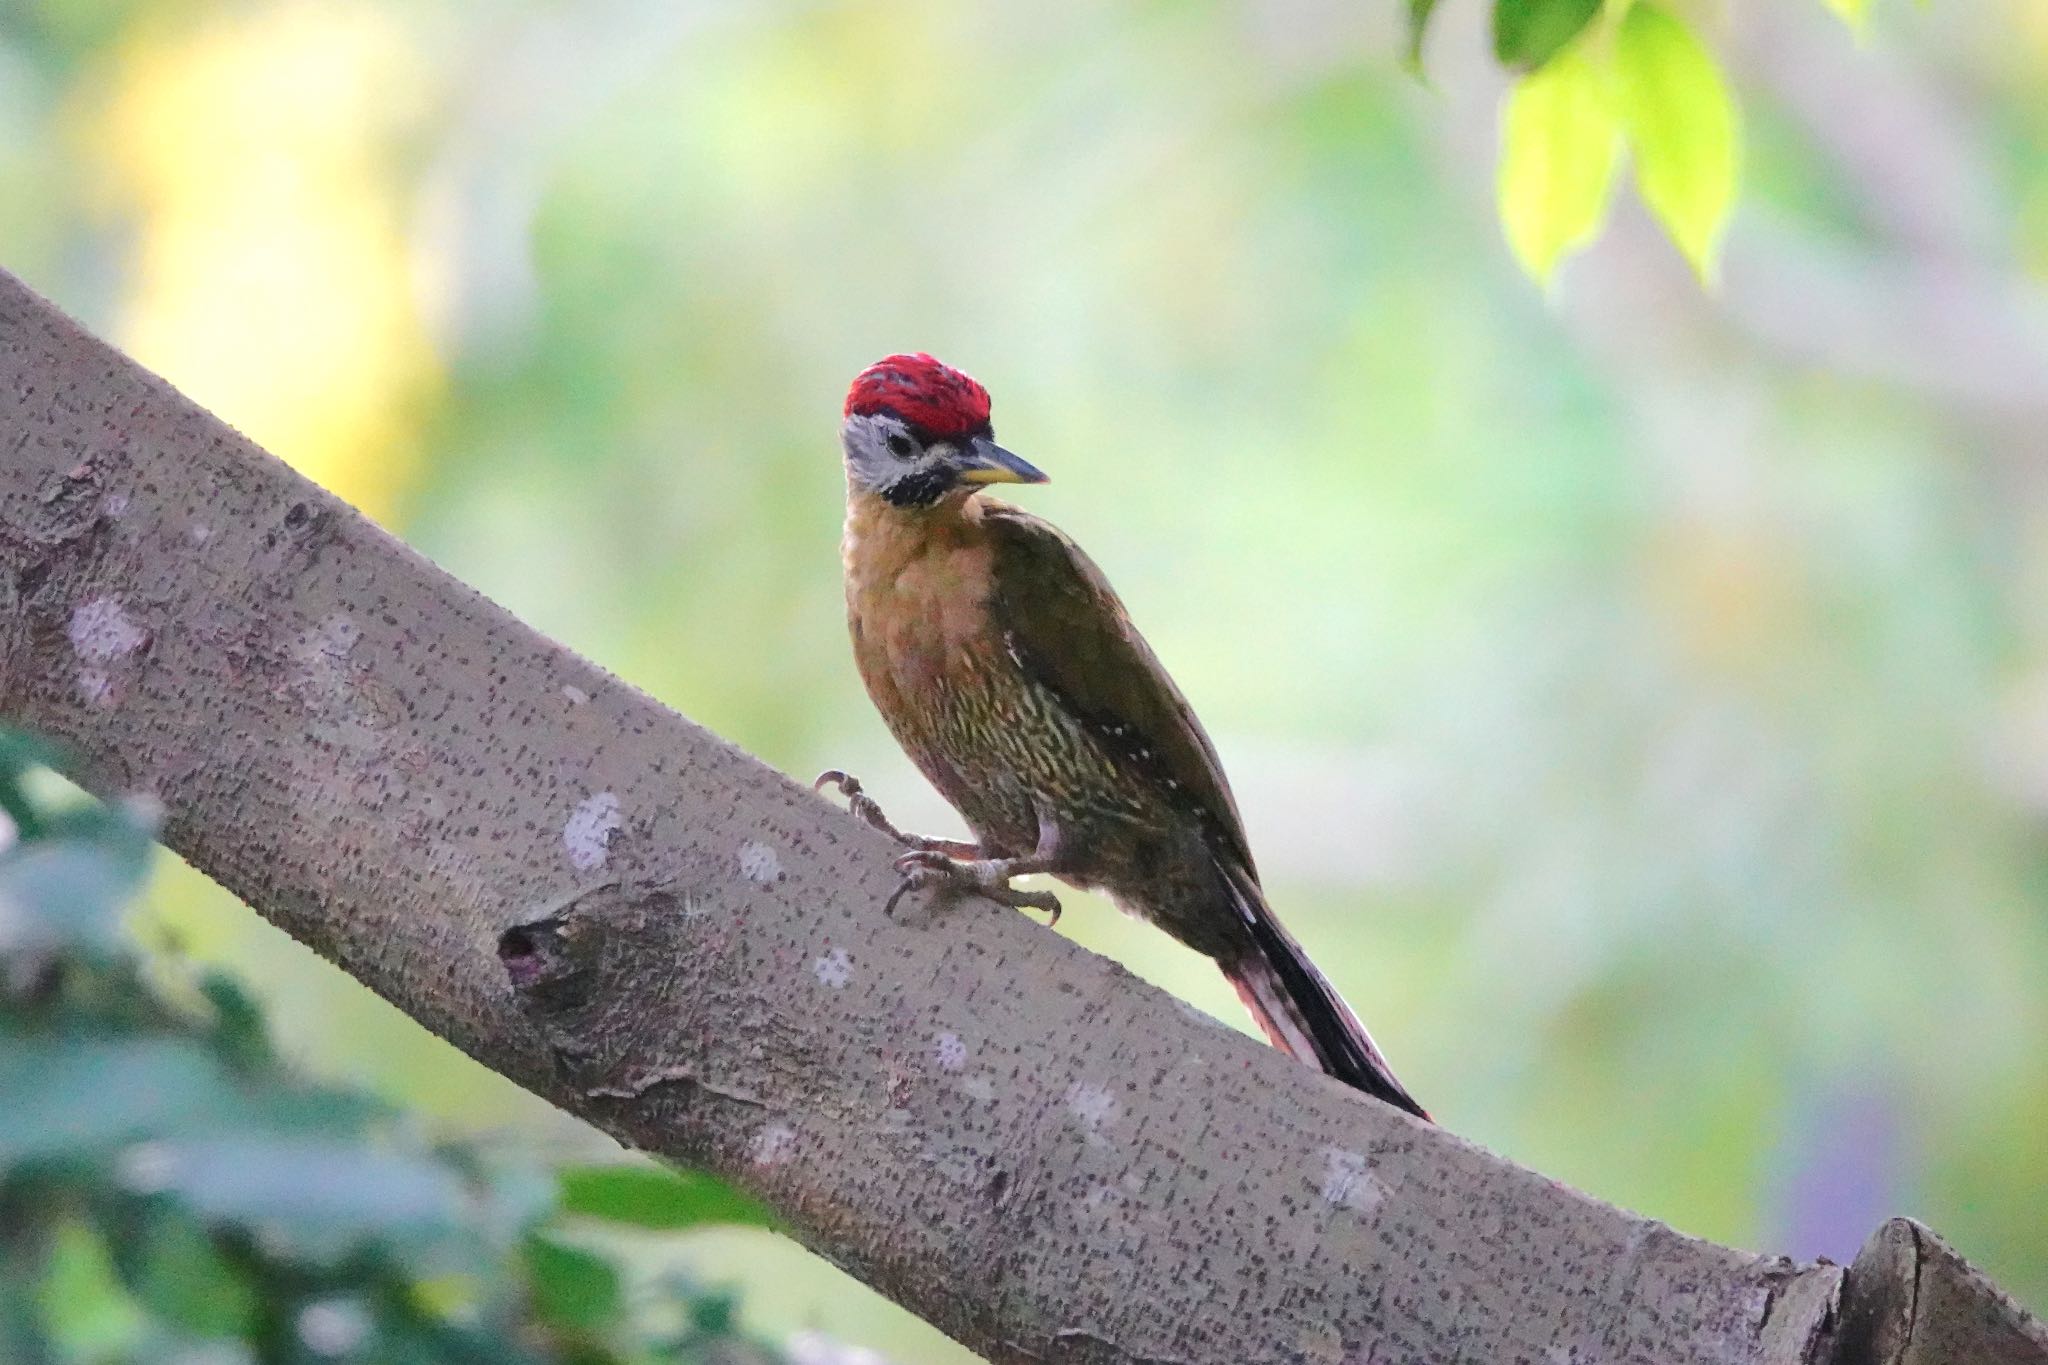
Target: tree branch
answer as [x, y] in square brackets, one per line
[1010, 1136]
[1910, 1300]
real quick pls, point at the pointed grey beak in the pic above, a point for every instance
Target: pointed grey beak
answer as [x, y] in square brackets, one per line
[983, 461]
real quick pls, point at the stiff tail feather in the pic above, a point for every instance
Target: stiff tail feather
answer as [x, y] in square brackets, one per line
[1300, 1011]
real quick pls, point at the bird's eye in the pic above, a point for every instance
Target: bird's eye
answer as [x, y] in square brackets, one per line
[902, 446]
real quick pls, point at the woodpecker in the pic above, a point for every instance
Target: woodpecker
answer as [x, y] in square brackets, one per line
[1007, 668]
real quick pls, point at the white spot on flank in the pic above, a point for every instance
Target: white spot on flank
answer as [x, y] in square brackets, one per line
[834, 969]
[115, 504]
[588, 833]
[772, 1145]
[760, 863]
[1349, 1182]
[951, 1052]
[199, 533]
[978, 1088]
[576, 695]
[1092, 1105]
[100, 630]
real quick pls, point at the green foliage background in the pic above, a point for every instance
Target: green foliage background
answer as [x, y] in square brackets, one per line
[172, 1193]
[1638, 694]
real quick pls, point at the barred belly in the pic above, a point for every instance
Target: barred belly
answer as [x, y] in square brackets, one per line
[1017, 753]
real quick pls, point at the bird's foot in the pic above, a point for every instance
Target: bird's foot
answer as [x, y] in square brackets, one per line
[859, 804]
[864, 808]
[988, 878]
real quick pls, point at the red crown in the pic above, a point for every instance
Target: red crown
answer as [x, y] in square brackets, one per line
[922, 392]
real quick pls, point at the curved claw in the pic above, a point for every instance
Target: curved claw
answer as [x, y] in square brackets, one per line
[987, 878]
[914, 874]
[916, 870]
[859, 804]
[904, 887]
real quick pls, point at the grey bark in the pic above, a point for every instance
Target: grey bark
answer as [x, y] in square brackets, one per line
[1012, 1137]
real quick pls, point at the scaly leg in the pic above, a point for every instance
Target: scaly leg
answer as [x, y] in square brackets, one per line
[861, 805]
[985, 877]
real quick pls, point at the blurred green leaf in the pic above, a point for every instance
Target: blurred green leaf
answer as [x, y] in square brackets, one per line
[18, 754]
[238, 1029]
[65, 881]
[281, 1108]
[63, 893]
[119, 830]
[324, 1196]
[1682, 127]
[180, 1275]
[713, 1314]
[1528, 33]
[230, 1202]
[448, 1296]
[20, 751]
[22, 1336]
[1418, 27]
[94, 1095]
[1559, 143]
[653, 1197]
[572, 1288]
[84, 1308]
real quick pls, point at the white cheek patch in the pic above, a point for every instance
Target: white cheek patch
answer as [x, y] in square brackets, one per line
[871, 464]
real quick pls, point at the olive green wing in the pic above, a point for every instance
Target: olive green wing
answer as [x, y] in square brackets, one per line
[1067, 629]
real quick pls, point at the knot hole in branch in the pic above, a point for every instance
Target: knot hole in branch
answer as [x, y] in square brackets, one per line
[523, 949]
[547, 961]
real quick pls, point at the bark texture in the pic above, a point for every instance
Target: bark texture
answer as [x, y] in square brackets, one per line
[1910, 1300]
[1014, 1138]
